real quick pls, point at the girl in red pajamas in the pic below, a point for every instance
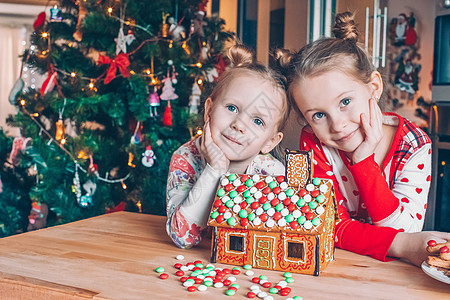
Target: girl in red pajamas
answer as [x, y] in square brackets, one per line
[380, 163]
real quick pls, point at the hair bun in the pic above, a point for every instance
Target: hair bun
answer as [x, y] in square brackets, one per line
[345, 27]
[241, 55]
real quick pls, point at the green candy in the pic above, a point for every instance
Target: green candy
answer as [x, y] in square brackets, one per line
[214, 214]
[200, 266]
[220, 192]
[289, 218]
[235, 285]
[297, 298]
[301, 220]
[263, 277]
[312, 204]
[159, 269]
[266, 206]
[229, 204]
[320, 198]
[273, 291]
[191, 280]
[243, 213]
[236, 268]
[231, 221]
[233, 194]
[289, 280]
[249, 183]
[250, 200]
[208, 283]
[316, 181]
[279, 206]
[251, 217]
[287, 274]
[232, 177]
[247, 267]
[272, 184]
[301, 202]
[247, 194]
[315, 221]
[230, 292]
[290, 192]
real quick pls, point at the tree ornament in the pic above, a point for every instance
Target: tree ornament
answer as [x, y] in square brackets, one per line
[55, 14]
[167, 121]
[93, 168]
[90, 188]
[121, 44]
[149, 157]
[121, 61]
[197, 24]
[129, 38]
[82, 12]
[38, 216]
[137, 135]
[39, 22]
[19, 145]
[60, 129]
[76, 187]
[154, 102]
[18, 85]
[176, 30]
[165, 27]
[130, 160]
[50, 82]
[194, 99]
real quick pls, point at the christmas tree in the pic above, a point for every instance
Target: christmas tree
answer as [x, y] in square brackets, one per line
[125, 83]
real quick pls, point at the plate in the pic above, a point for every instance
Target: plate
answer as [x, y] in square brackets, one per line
[435, 273]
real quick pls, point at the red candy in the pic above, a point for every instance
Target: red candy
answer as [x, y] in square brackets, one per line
[276, 190]
[251, 295]
[264, 217]
[177, 265]
[235, 272]
[255, 205]
[285, 291]
[241, 188]
[217, 203]
[287, 201]
[291, 207]
[255, 279]
[263, 199]
[244, 222]
[266, 190]
[244, 178]
[306, 209]
[260, 185]
[198, 280]
[309, 216]
[229, 187]
[294, 224]
[190, 264]
[444, 249]
[243, 204]
[280, 179]
[277, 216]
[233, 288]
[183, 279]
[278, 287]
[220, 219]
[275, 202]
[302, 192]
[226, 271]
[179, 273]
[267, 284]
[196, 269]
[164, 276]
[192, 288]
[227, 282]
[431, 243]
[222, 209]
[315, 193]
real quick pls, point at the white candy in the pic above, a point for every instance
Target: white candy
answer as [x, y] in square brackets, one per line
[294, 198]
[210, 265]
[255, 178]
[296, 213]
[254, 287]
[180, 257]
[208, 278]
[224, 181]
[269, 179]
[262, 281]
[271, 211]
[284, 212]
[270, 223]
[201, 276]
[217, 284]
[257, 221]
[253, 190]
[323, 188]
[225, 199]
[284, 185]
[282, 196]
[202, 288]
[184, 268]
[237, 182]
[188, 283]
[190, 267]
[270, 196]
[227, 215]
[307, 198]
[213, 273]
[232, 278]
[282, 222]
[238, 199]
[236, 208]
[262, 294]
[268, 298]
[282, 283]
[259, 211]
[320, 210]
[249, 273]
[310, 187]
[258, 195]
[308, 224]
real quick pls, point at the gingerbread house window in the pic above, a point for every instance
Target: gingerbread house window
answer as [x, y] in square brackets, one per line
[236, 243]
[295, 250]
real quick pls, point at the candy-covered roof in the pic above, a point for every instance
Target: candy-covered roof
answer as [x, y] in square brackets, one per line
[269, 203]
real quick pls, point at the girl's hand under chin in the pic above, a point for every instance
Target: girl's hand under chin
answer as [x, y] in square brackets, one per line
[212, 153]
[372, 130]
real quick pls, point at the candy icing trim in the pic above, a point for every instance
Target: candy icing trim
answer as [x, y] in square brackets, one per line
[286, 258]
[255, 250]
[244, 246]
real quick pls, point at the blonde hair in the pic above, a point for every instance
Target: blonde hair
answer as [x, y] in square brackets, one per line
[244, 63]
[321, 56]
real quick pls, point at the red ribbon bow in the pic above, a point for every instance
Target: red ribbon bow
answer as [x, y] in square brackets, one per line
[121, 61]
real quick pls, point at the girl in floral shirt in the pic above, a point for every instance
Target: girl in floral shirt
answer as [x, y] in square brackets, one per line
[244, 117]
[380, 163]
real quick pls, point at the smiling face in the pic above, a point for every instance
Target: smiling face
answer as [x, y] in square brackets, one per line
[244, 119]
[332, 104]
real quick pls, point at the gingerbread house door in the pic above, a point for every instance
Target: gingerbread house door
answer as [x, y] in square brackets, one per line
[264, 252]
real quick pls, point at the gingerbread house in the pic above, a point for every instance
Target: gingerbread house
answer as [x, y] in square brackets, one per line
[283, 223]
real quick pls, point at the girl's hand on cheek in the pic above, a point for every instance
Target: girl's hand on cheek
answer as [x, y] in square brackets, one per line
[373, 133]
[212, 153]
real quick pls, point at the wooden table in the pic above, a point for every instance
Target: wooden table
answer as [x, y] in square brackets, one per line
[114, 256]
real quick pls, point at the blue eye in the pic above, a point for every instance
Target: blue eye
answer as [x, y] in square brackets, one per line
[258, 122]
[318, 116]
[232, 108]
[345, 102]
